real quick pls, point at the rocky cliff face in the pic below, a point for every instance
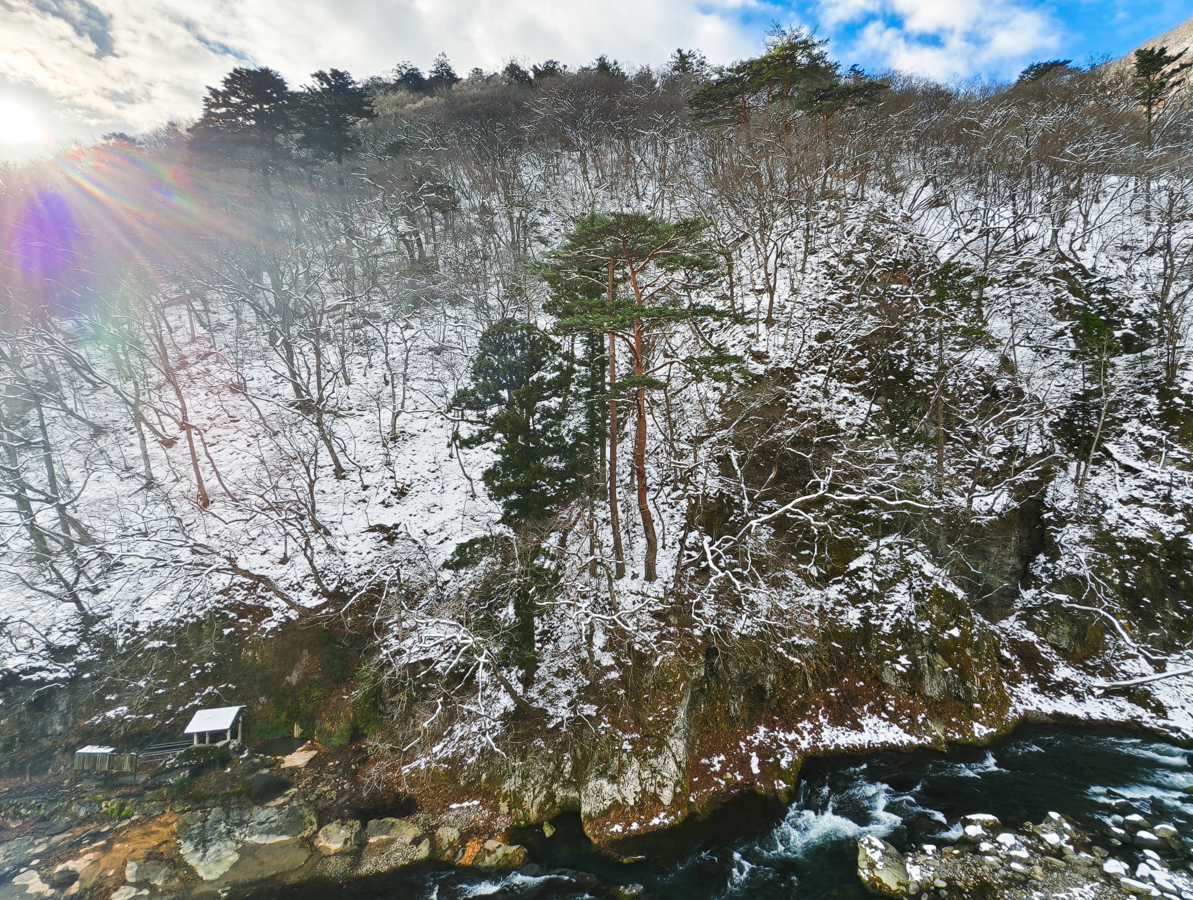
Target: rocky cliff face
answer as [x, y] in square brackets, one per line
[717, 722]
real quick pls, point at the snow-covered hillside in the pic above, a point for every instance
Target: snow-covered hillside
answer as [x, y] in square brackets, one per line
[954, 455]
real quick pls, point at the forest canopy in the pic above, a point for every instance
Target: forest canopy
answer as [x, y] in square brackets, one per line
[496, 368]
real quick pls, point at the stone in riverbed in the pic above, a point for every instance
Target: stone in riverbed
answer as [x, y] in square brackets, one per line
[1012, 845]
[1136, 822]
[1138, 887]
[881, 867]
[446, 838]
[212, 840]
[983, 820]
[340, 837]
[128, 892]
[258, 862]
[975, 833]
[1148, 840]
[495, 855]
[33, 884]
[393, 830]
[62, 878]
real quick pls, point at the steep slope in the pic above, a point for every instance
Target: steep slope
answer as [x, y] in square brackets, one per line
[944, 488]
[1175, 39]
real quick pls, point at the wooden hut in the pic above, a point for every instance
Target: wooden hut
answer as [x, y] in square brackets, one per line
[221, 722]
[94, 758]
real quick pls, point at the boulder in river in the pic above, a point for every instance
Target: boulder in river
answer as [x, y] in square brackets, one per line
[151, 871]
[985, 820]
[498, 855]
[881, 868]
[390, 829]
[340, 837]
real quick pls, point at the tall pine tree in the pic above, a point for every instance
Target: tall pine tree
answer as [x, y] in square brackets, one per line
[248, 117]
[327, 114]
[627, 276]
[520, 387]
[1156, 73]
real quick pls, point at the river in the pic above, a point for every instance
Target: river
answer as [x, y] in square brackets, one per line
[808, 850]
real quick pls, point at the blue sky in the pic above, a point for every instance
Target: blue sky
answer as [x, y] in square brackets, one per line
[85, 67]
[987, 39]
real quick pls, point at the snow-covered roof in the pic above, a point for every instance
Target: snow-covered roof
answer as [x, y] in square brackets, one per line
[220, 719]
[92, 748]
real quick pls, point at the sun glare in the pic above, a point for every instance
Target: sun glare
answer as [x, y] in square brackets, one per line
[17, 125]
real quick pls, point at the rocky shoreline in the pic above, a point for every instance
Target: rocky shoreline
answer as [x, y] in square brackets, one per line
[248, 825]
[1048, 859]
[141, 842]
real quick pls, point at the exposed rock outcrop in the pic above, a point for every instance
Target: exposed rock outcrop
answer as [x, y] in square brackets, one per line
[213, 841]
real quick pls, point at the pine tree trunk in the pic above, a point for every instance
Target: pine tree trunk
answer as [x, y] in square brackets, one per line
[940, 437]
[614, 517]
[652, 542]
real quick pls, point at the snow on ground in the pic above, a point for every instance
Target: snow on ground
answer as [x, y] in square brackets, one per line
[280, 516]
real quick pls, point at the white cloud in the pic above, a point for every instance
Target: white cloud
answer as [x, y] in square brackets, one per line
[133, 64]
[944, 39]
[101, 65]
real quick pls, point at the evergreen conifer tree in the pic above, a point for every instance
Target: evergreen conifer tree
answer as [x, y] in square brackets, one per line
[793, 73]
[520, 390]
[515, 74]
[1156, 73]
[1042, 71]
[442, 76]
[687, 62]
[627, 276]
[327, 113]
[552, 68]
[248, 117]
[409, 76]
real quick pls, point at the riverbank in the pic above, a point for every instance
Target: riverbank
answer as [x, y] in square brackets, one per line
[261, 831]
[1050, 858]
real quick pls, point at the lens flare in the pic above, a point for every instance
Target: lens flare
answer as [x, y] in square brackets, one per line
[17, 124]
[45, 236]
